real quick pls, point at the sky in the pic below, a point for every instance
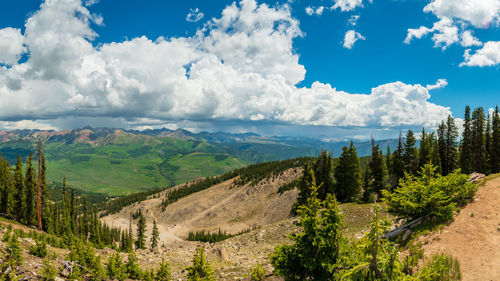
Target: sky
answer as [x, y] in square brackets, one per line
[331, 68]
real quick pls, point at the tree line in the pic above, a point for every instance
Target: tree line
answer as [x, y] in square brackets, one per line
[478, 150]
[24, 198]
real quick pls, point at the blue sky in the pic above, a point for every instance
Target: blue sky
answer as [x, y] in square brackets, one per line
[378, 60]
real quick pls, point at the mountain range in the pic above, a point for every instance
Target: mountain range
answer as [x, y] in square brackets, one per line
[118, 161]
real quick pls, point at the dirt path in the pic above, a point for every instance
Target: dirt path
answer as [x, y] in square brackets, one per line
[474, 236]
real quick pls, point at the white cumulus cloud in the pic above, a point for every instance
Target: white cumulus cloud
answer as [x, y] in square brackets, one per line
[347, 5]
[351, 37]
[468, 39]
[488, 55]
[440, 83]
[11, 45]
[240, 67]
[315, 11]
[194, 15]
[456, 19]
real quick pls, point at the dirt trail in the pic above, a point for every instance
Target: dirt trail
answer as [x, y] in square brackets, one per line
[474, 236]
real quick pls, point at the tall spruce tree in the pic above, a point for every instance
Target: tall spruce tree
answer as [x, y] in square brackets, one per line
[7, 198]
[441, 131]
[30, 195]
[307, 179]
[323, 171]
[348, 175]
[466, 146]
[495, 142]
[478, 140]
[487, 136]
[367, 192]
[388, 160]
[425, 149]
[435, 157]
[19, 195]
[410, 155]
[397, 167]
[46, 215]
[378, 170]
[155, 236]
[73, 214]
[447, 139]
[140, 243]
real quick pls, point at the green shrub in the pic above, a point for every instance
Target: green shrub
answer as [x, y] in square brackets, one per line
[83, 254]
[49, 271]
[148, 275]
[200, 270]
[39, 249]
[163, 273]
[14, 253]
[115, 268]
[132, 268]
[257, 273]
[442, 267]
[6, 236]
[429, 194]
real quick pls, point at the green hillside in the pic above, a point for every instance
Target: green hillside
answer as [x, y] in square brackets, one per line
[128, 163]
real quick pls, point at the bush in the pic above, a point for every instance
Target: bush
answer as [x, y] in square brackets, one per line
[39, 249]
[257, 273]
[132, 268]
[7, 234]
[14, 253]
[115, 269]
[429, 194]
[442, 267]
[163, 273]
[49, 271]
[83, 254]
[200, 270]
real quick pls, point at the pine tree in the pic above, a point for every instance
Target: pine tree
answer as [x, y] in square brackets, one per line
[140, 243]
[39, 187]
[348, 175]
[495, 142]
[478, 140]
[425, 149]
[19, 196]
[410, 154]
[487, 135]
[155, 235]
[466, 146]
[397, 167]
[200, 270]
[388, 160]
[378, 170]
[451, 136]
[30, 185]
[7, 198]
[308, 178]
[435, 157]
[73, 214]
[46, 210]
[367, 192]
[14, 251]
[317, 251]
[163, 273]
[323, 171]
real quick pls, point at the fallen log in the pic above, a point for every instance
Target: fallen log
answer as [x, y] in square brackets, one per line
[404, 229]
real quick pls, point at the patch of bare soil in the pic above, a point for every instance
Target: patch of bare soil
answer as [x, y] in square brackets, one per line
[222, 206]
[474, 236]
